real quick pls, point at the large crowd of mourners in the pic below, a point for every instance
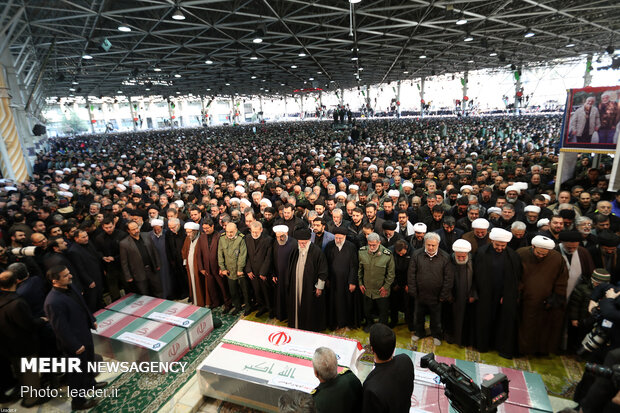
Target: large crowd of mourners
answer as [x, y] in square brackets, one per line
[452, 218]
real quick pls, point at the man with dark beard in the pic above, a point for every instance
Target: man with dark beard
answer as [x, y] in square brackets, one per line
[282, 249]
[497, 271]
[606, 256]
[458, 326]
[543, 297]
[258, 267]
[343, 296]
[308, 269]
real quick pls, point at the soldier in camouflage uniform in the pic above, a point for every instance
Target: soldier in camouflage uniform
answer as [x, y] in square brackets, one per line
[231, 256]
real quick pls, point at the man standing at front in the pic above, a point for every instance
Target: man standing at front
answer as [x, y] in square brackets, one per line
[337, 392]
[140, 261]
[72, 321]
[543, 286]
[389, 386]
[231, 255]
[308, 274]
[429, 281]
[376, 275]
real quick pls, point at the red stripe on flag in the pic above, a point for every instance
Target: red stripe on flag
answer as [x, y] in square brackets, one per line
[141, 311]
[115, 328]
[518, 392]
[270, 355]
[187, 311]
[159, 331]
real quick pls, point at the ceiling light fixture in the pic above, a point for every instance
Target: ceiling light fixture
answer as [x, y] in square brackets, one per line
[354, 55]
[422, 56]
[71, 89]
[227, 84]
[124, 28]
[86, 56]
[492, 54]
[209, 62]
[119, 91]
[529, 33]
[468, 38]
[75, 82]
[302, 54]
[178, 15]
[157, 69]
[253, 77]
[461, 21]
[177, 75]
[571, 44]
[293, 66]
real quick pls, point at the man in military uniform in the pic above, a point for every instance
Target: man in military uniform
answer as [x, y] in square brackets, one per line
[376, 275]
[231, 256]
[337, 392]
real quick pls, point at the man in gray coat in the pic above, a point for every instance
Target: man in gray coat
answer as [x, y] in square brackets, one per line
[140, 262]
[430, 281]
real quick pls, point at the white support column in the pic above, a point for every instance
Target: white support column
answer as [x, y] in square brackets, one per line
[91, 118]
[422, 83]
[398, 98]
[341, 97]
[133, 114]
[517, 90]
[285, 108]
[465, 82]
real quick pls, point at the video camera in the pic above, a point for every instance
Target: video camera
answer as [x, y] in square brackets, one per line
[466, 396]
[612, 373]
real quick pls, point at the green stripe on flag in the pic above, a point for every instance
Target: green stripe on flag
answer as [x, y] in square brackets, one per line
[537, 391]
[471, 369]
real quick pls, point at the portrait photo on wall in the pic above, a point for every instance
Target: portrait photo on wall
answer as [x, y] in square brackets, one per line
[591, 118]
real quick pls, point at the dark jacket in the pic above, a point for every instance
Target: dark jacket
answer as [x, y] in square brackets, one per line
[70, 319]
[33, 290]
[259, 255]
[389, 386]
[430, 279]
[131, 260]
[88, 263]
[341, 394]
[18, 326]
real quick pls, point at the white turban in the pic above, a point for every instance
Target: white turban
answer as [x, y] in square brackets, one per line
[464, 187]
[280, 228]
[192, 225]
[366, 159]
[419, 227]
[354, 187]
[120, 179]
[235, 200]
[266, 202]
[157, 223]
[547, 197]
[521, 185]
[209, 177]
[542, 222]
[480, 223]
[191, 177]
[393, 193]
[245, 202]
[240, 189]
[512, 188]
[339, 194]
[58, 172]
[373, 166]
[179, 203]
[532, 208]
[498, 234]
[541, 241]
[461, 245]
[64, 187]
[262, 177]
[407, 184]
[494, 210]
[121, 187]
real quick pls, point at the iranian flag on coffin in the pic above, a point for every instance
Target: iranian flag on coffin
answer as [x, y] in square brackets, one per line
[135, 304]
[138, 339]
[252, 377]
[197, 321]
[527, 392]
[293, 342]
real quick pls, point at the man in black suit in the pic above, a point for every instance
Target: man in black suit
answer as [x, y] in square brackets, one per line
[389, 386]
[87, 261]
[19, 334]
[72, 321]
[140, 262]
[258, 266]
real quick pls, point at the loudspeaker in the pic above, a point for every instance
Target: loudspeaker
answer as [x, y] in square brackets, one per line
[39, 130]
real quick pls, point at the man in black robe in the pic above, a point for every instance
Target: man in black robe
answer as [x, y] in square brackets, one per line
[458, 323]
[344, 300]
[308, 274]
[282, 249]
[497, 271]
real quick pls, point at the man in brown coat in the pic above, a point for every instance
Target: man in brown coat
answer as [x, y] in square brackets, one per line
[190, 261]
[215, 284]
[543, 297]
[479, 234]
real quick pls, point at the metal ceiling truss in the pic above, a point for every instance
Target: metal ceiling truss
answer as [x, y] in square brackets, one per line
[390, 36]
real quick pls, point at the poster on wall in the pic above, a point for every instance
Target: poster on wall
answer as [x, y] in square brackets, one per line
[591, 119]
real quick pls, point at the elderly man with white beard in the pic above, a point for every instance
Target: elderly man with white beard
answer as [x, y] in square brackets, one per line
[532, 213]
[457, 323]
[282, 249]
[512, 197]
